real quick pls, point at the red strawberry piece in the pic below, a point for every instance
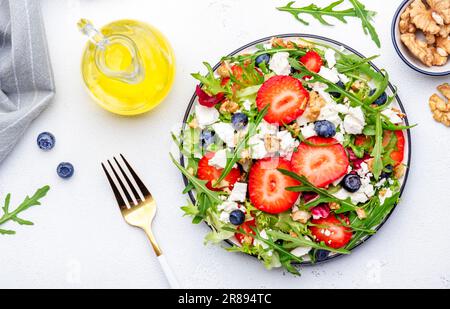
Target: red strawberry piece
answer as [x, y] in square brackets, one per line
[312, 61]
[212, 174]
[267, 186]
[320, 164]
[286, 97]
[331, 231]
[399, 152]
[207, 100]
[247, 228]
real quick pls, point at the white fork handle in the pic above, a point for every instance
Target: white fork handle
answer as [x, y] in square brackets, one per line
[170, 275]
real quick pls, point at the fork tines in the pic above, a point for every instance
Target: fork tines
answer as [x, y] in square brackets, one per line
[132, 195]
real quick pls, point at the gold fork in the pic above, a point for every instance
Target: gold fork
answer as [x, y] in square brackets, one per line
[141, 210]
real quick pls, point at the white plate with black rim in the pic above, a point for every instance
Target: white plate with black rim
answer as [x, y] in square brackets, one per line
[251, 48]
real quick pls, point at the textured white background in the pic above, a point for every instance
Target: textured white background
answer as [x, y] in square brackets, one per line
[80, 239]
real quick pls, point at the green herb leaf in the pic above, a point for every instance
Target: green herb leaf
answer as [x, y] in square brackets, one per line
[212, 84]
[378, 148]
[26, 204]
[366, 17]
[253, 127]
[318, 13]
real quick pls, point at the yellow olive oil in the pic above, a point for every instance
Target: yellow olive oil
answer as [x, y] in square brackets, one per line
[132, 70]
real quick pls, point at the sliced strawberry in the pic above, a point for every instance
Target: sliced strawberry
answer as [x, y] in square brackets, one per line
[399, 152]
[247, 228]
[331, 231]
[286, 97]
[267, 186]
[212, 174]
[320, 164]
[312, 61]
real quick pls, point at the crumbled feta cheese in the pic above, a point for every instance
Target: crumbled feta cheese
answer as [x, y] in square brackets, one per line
[354, 121]
[258, 242]
[301, 251]
[339, 137]
[258, 148]
[330, 74]
[330, 57]
[279, 63]
[247, 104]
[308, 131]
[265, 128]
[287, 144]
[343, 78]
[239, 192]
[330, 112]
[387, 194]
[206, 115]
[392, 115]
[219, 159]
[321, 89]
[226, 132]
[366, 190]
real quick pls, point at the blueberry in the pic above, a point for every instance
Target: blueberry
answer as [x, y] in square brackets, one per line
[381, 99]
[237, 217]
[337, 95]
[351, 182]
[46, 140]
[65, 170]
[322, 255]
[207, 138]
[239, 121]
[325, 128]
[387, 172]
[262, 58]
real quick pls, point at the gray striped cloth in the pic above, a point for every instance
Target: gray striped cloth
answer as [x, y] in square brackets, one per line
[26, 78]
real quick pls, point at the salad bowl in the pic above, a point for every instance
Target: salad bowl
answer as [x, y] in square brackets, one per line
[394, 103]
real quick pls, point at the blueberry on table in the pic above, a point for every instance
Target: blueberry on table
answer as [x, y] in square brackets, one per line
[325, 128]
[337, 95]
[262, 58]
[381, 99]
[65, 170]
[46, 141]
[237, 217]
[207, 138]
[351, 182]
[239, 121]
[322, 255]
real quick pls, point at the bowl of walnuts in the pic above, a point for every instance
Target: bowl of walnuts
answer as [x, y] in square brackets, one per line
[421, 35]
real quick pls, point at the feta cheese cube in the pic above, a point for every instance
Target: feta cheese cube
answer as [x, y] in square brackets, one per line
[330, 57]
[206, 115]
[392, 115]
[354, 121]
[226, 133]
[219, 160]
[239, 192]
[279, 63]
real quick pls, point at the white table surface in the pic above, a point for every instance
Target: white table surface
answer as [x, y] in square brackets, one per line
[80, 240]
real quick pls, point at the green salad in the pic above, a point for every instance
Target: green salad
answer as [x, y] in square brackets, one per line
[294, 151]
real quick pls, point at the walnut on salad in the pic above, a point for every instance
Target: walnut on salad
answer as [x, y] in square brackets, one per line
[432, 19]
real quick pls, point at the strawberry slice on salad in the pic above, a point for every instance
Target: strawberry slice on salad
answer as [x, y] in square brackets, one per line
[331, 231]
[321, 160]
[312, 61]
[286, 97]
[247, 227]
[267, 186]
[211, 174]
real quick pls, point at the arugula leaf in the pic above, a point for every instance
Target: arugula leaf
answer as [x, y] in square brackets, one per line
[376, 213]
[212, 84]
[243, 143]
[366, 16]
[318, 13]
[307, 186]
[378, 148]
[205, 197]
[27, 203]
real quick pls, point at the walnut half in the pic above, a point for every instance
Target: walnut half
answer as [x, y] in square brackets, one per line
[439, 107]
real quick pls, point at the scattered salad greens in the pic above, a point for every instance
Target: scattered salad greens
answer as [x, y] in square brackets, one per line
[358, 10]
[13, 215]
[294, 151]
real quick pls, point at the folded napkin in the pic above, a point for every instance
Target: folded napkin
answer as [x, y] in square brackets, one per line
[26, 78]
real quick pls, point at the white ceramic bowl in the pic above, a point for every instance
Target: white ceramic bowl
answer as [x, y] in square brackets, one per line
[405, 54]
